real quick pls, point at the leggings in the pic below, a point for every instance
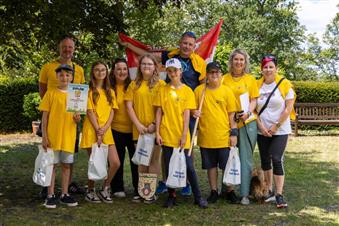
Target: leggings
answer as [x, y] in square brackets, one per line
[123, 140]
[272, 152]
[191, 174]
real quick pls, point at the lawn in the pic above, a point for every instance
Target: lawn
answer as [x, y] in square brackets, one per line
[311, 190]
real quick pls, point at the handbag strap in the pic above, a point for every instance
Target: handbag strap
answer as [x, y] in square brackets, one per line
[269, 97]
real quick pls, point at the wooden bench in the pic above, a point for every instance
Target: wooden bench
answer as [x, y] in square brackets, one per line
[316, 114]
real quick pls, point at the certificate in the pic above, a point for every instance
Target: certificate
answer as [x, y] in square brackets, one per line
[77, 95]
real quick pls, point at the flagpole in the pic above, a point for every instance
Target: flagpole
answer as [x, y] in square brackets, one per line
[197, 120]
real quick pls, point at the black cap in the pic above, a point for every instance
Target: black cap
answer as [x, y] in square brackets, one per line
[65, 67]
[213, 65]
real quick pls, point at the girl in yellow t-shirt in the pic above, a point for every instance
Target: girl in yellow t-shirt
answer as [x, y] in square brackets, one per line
[246, 92]
[139, 102]
[122, 128]
[97, 127]
[174, 102]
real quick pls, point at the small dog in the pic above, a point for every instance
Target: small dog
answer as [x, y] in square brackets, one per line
[258, 186]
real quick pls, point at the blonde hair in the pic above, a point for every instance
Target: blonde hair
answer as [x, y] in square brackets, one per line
[247, 61]
[155, 77]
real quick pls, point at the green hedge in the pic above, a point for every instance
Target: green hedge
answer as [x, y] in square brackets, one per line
[12, 93]
[317, 92]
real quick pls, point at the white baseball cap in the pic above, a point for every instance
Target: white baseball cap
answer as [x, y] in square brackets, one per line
[173, 62]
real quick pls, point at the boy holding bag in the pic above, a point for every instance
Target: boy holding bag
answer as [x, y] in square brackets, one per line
[217, 128]
[174, 102]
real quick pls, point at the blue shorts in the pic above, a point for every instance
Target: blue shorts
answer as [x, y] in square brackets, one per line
[214, 157]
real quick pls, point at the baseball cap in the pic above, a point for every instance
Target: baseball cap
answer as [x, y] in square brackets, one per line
[213, 65]
[65, 67]
[173, 62]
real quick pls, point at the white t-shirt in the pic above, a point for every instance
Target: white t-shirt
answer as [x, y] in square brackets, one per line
[275, 107]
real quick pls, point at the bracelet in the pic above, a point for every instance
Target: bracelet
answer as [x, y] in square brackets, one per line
[234, 132]
[278, 124]
[249, 113]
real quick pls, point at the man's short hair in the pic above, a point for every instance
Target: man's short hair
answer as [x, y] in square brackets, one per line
[68, 36]
[189, 34]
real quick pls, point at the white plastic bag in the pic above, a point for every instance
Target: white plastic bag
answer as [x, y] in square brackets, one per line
[97, 163]
[43, 168]
[177, 173]
[144, 149]
[232, 174]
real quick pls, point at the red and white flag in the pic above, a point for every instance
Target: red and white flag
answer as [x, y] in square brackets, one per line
[205, 47]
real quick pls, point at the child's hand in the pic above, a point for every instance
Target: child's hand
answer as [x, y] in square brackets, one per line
[76, 117]
[151, 128]
[182, 141]
[45, 143]
[159, 139]
[99, 141]
[196, 113]
[233, 141]
[141, 129]
[100, 131]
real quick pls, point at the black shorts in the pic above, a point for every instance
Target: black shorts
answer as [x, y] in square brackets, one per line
[214, 157]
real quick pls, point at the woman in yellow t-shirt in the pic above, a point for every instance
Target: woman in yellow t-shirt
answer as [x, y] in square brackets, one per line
[139, 102]
[246, 93]
[174, 102]
[97, 127]
[122, 128]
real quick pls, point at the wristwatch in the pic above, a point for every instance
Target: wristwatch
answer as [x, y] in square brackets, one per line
[278, 124]
[249, 113]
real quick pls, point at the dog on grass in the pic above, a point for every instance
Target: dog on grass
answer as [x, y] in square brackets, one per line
[258, 186]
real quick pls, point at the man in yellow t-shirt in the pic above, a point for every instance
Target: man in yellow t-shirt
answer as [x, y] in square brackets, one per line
[217, 127]
[48, 80]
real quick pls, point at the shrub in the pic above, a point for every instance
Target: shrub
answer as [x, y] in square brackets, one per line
[12, 93]
[31, 106]
[317, 92]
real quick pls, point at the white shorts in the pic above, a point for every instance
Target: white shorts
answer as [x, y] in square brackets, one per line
[63, 157]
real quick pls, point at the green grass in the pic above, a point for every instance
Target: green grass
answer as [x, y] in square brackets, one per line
[311, 189]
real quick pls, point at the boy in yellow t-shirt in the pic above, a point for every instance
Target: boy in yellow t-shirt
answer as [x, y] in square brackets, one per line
[174, 102]
[59, 133]
[217, 127]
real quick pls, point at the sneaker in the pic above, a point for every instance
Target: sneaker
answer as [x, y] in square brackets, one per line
[186, 191]
[213, 197]
[74, 188]
[170, 202]
[68, 200]
[201, 203]
[231, 197]
[51, 202]
[245, 201]
[92, 197]
[119, 194]
[270, 197]
[43, 193]
[151, 200]
[105, 195]
[162, 188]
[136, 198]
[280, 201]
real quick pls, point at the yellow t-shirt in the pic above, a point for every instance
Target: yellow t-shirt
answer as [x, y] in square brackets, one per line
[102, 110]
[121, 121]
[214, 125]
[239, 86]
[142, 99]
[48, 75]
[173, 103]
[61, 128]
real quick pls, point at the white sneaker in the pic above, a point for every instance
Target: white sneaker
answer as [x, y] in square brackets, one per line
[245, 201]
[105, 196]
[120, 194]
[270, 197]
[92, 197]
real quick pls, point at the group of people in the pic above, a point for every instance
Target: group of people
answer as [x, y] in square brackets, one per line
[119, 110]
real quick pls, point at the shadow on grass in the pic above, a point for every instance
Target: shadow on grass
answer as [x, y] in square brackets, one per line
[311, 192]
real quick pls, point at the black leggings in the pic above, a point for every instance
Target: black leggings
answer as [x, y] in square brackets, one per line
[123, 140]
[271, 150]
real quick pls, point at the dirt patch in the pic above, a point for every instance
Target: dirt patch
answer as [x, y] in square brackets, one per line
[19, 138]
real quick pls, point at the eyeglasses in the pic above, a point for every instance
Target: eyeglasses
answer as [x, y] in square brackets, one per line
[147, 64]
[98, 70]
